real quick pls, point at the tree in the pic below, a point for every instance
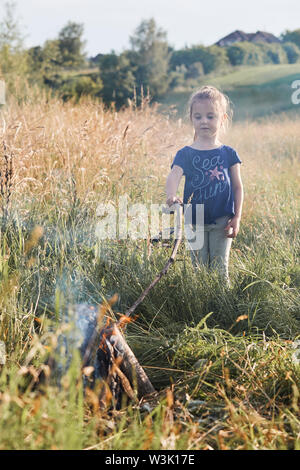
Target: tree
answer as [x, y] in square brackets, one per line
[71, 45]
[214, 58]
[247, 53]
[277, 54]
[82, 85]
[291, 36]
[211, 58]
[10, 31]
[150, 55]
[45, 61]
[13, 58]
[292, 52]
[117, 77]
[195, 70]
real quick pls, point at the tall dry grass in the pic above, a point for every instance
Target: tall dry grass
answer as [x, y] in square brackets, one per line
[111, 152]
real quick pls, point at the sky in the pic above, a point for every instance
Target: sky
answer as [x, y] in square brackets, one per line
[108, 24]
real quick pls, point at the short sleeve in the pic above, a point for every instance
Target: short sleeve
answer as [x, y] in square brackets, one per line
[233, 158]
[179, 160]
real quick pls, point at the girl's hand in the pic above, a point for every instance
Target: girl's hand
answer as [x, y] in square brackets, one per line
[173, 200]
[233, 227]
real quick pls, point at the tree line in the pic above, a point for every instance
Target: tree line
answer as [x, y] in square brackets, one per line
[151, 64]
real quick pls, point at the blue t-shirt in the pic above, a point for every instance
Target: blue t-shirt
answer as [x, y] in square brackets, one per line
[207, 180]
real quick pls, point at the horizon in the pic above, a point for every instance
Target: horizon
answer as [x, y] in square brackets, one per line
[108, 27]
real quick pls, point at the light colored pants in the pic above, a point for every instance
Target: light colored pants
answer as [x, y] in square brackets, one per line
[216, 247]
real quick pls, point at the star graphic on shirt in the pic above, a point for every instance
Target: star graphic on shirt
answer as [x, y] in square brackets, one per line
[215, 173]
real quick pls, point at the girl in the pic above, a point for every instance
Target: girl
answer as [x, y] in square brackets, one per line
[212, 178]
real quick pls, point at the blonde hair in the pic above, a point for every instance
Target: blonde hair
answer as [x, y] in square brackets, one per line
[216, 96]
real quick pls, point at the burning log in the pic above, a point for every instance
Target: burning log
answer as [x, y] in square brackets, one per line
[129, 364]
[106, 357]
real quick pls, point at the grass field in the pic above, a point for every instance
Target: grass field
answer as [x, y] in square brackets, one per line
[221, 360]
[254, 91]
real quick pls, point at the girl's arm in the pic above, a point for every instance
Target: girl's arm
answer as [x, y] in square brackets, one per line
[237, 187]
[172, 184]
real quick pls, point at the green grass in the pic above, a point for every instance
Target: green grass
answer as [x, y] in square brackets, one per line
[257, 76]
[220, 359]
[246, 382]
[254, 91]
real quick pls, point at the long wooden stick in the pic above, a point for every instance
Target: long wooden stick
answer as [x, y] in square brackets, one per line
[178, 233]
[107, 331]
